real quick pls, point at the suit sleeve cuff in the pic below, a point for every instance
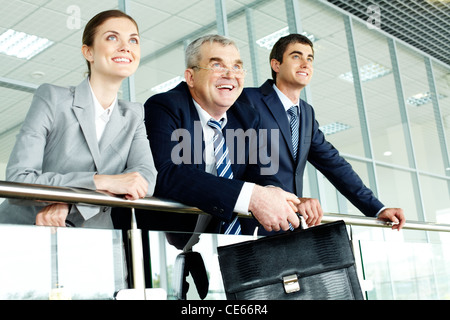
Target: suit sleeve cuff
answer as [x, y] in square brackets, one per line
[243, 200]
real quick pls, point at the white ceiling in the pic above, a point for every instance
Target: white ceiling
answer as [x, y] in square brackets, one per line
[424, 24]
[164, 25]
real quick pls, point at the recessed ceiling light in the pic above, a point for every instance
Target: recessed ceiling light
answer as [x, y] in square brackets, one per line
[367, 72]
[166, 86]
[269, 40]
[37, 74]
[334, 127]
[421, 99]
[22, 45]
[387, 153]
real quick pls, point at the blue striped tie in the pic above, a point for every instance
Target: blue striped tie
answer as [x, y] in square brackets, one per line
[294, 129]
[223, 166]
[293, 122]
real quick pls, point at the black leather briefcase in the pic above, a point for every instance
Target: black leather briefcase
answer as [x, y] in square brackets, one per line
[314, 263]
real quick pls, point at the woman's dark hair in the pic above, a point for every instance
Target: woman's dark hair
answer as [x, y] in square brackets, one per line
[91, 27]
[280, 47]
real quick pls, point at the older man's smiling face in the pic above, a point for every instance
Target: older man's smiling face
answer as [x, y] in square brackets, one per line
[216, 91]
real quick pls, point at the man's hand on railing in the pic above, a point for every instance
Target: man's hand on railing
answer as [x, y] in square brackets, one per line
[274, 208]
[311, 210]
[53, 215]
[394, 215]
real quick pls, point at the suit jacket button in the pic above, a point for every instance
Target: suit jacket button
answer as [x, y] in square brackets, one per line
[215, 209]
[221, 211]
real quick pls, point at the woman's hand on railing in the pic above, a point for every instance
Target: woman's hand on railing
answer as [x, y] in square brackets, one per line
[53, 215]
[131, 184]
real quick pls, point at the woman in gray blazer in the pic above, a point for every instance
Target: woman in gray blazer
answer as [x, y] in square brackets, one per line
[83, 136]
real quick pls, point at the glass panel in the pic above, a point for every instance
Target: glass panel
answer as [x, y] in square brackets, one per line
[396, 191]
[13, 109]
[25, 263]
[405, 271]
[380, 96]
[64, 263]
[442, 79]
[91, 263]
[424, 132]
[165, 28]
[163, 256]
[436, 199]
[333, 97]
[268, 19]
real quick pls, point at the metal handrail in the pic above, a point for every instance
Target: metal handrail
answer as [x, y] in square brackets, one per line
[45, 193]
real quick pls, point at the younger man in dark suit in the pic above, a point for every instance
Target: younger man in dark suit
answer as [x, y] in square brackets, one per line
[291, 60]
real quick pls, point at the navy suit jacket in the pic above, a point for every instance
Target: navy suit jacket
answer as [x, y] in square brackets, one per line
[313, 147]
[170, 118]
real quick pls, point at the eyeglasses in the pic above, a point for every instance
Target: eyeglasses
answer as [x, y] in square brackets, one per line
[218, 69]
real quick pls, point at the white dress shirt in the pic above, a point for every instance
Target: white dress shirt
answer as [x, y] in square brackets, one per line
[286, 102]
[101, 115]
[243, 200]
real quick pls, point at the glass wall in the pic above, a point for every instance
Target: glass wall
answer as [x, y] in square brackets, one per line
[42, 263]
[392, 123]
[387, 118]
[332, 89]
[405, 271]
[427, 149]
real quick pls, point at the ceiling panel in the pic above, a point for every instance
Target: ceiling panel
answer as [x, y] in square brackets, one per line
[164, 25]
[422, 24]
[14, 11]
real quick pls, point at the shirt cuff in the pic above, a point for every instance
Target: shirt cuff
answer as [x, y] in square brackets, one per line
[243, 200]
[379, 211]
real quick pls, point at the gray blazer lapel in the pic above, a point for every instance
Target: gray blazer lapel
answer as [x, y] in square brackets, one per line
[113, 127]
[83, 108]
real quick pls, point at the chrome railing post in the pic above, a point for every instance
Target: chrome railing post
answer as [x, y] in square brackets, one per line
[137, 254]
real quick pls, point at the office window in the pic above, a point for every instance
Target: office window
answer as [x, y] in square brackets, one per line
[380, 96]
[427, 148]
[166, 27]
[442, 80]
[396, 190]
[436, 198]
[262, 23]
[333, 95]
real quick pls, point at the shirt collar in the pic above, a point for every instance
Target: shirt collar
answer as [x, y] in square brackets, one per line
[205, 117]
[99, 111]
[285, 101]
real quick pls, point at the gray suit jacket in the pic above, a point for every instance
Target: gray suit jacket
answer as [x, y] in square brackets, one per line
[57, 146]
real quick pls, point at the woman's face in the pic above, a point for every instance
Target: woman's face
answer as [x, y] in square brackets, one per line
[116, 51]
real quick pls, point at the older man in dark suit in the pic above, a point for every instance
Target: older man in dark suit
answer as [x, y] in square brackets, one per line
[188, 128]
